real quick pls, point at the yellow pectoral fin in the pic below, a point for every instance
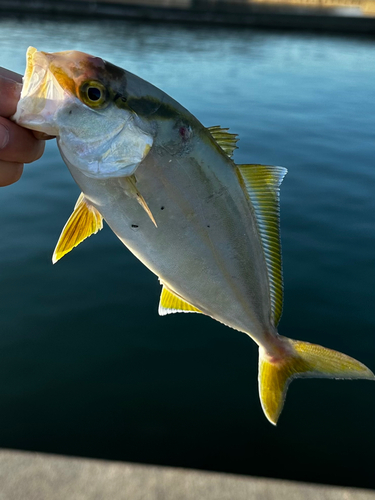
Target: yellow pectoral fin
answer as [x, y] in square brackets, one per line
[171, 303]
[84, 221]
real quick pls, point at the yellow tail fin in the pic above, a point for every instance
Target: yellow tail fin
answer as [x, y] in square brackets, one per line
[301, 360]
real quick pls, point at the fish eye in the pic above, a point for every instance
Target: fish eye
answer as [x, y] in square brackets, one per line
[94, 94]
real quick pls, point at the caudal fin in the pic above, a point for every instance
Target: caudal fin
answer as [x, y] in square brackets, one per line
[301, 360]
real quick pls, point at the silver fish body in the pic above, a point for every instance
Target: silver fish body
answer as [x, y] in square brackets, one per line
[206, 246]
[168, 188]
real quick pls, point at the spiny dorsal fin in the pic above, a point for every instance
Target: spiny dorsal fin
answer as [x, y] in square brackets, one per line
[263, 185]
[171, 303]
[84, 221]
[226, 141]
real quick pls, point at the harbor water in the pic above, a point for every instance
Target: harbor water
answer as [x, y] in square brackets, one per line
[88, 368]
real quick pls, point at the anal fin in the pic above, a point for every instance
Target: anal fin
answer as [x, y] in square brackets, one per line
[84, 221]
[171, 303]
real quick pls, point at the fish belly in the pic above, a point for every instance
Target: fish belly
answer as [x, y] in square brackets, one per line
[206, 246]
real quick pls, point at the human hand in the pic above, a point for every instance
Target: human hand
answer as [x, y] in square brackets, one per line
[17, 145]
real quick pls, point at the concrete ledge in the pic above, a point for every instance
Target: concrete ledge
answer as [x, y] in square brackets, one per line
[36, 476]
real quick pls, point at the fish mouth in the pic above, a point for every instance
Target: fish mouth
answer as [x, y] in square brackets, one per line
[41, 94]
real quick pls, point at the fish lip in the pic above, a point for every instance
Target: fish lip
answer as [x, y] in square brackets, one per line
[36, 108]
[35, 71]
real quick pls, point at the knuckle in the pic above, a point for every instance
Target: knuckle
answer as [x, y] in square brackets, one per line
[39, 150]
[35, 150]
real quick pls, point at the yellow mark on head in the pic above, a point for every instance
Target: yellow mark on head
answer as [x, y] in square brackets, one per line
[65, 81]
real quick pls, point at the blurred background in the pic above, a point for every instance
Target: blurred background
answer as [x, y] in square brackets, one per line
[88, 368]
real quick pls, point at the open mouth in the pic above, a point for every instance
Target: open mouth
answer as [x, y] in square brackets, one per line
[34, 73]
[40, 95]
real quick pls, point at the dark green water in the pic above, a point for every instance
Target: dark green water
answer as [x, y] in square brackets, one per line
[86, 365]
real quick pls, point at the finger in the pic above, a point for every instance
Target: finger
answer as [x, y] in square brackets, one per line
[42, 135]
[11, 75]
[10, 172]
[10, 91]
[18, 144]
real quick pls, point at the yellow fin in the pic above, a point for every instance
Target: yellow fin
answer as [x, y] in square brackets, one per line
[84, 221]
[301, 359]
[171, 303]
[227, 141]
[262, 183]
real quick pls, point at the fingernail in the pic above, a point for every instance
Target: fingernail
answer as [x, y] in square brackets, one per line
[4, 136]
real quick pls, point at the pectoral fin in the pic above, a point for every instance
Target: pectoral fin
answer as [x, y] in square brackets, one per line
[84, 221]
[171, 303]
[129, 185]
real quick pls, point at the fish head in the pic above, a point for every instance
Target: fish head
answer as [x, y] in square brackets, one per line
[82, 100]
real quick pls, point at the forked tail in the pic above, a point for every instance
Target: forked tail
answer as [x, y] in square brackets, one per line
[301, 360]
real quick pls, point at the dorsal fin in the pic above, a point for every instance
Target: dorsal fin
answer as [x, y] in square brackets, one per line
[263, 185]
[227, 141]
[171, 303]
[84, 221]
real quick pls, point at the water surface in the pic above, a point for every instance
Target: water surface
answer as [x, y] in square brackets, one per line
[86, 365]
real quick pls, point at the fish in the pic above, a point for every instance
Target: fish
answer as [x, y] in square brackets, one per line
[169, 189]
